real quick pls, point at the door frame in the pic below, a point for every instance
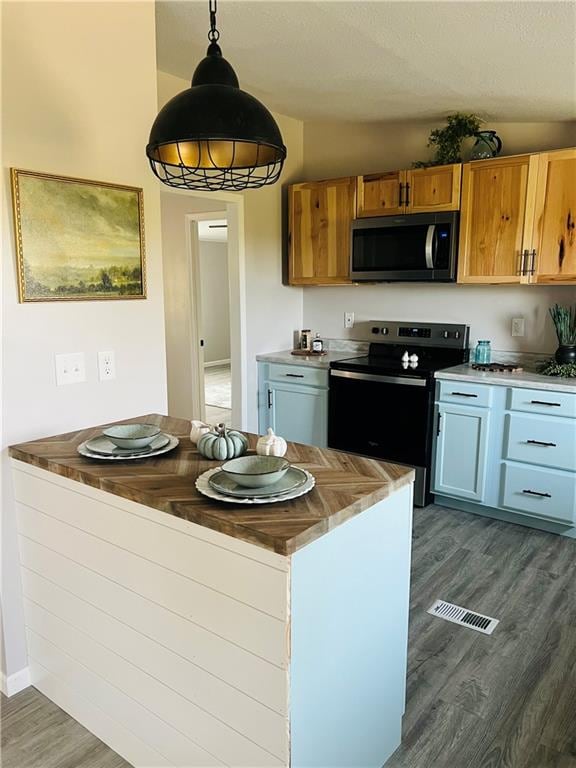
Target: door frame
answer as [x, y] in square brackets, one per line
[231, 207]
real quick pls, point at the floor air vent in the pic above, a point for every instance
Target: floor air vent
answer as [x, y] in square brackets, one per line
[463, 616]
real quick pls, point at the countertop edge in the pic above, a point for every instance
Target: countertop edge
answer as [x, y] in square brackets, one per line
[523, 379]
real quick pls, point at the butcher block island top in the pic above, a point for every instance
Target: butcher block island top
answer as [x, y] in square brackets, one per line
[346, 485]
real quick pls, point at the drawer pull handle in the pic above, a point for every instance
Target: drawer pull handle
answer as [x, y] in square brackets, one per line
[463, 394]
[537, 493]
[544, 402]
[295, 375]
[539, 442]
[269, 398]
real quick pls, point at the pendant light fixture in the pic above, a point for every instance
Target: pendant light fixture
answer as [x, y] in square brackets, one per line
[214, 136]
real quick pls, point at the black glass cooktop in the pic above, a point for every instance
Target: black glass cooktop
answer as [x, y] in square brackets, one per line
[386, 360]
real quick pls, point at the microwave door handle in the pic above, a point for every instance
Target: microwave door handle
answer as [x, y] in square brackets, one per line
[429, 251]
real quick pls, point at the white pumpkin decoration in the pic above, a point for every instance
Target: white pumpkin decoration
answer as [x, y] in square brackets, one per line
[199, 428]
[271, 445]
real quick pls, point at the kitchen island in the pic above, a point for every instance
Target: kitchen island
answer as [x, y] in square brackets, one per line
[187, 632]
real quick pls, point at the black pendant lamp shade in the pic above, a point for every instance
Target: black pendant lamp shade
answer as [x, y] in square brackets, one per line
[214, 136]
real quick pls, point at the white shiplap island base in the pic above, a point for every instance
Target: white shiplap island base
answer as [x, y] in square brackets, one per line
[180, 645]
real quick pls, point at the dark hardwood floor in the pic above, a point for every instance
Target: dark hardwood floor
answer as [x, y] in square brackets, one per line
[474, 701]
[506, 700]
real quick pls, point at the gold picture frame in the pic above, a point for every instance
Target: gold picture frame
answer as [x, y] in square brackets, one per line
[77, 239]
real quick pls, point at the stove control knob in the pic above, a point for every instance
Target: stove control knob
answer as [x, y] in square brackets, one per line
[457, 334]
[445, 334]
[375, 329]
[384, 331]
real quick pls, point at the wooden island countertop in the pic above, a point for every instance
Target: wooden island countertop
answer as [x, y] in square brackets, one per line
[346, 485]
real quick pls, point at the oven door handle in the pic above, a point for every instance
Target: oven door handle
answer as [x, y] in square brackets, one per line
[405, 381]
[429, 251]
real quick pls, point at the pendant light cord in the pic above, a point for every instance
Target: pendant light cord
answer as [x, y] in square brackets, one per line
[213, 35]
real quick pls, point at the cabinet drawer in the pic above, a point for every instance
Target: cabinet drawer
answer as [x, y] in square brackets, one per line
[540, 440]
[298, 374]
[545, 493]
[465, 393]
[542, 401]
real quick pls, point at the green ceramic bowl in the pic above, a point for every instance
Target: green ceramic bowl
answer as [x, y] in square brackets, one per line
[256, 471]
[131, 435]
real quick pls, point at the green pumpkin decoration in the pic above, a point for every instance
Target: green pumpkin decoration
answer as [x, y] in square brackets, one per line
[222, 444]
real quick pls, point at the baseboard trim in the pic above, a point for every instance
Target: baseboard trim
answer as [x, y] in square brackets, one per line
[15, 683]
[214, 363]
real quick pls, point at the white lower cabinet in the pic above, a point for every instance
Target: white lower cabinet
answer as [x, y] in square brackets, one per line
[507, 449]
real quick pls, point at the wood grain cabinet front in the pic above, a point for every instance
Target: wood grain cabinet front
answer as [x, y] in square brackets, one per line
[518, 220]
[422, 190]
[320, 214]
[553, 237]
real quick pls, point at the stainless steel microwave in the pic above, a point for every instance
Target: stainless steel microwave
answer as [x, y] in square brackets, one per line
[419, 247]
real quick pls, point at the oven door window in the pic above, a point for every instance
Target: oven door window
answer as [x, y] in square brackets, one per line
[383, 420]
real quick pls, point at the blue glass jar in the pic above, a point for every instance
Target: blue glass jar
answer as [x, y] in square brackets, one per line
[482, 353]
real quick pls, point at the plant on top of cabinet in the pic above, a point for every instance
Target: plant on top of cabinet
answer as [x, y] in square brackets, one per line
[448, 140]
[320, 214]
[417, 191]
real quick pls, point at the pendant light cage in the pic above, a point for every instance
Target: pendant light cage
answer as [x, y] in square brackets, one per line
[208, 173]
[214, 136]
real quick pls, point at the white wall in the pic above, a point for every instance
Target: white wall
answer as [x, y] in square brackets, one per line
[273, 310]
[215, 300]
[332, 150]
[79, 97]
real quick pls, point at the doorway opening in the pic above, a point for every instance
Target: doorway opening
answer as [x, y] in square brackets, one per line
[215, 318]
[183, 217]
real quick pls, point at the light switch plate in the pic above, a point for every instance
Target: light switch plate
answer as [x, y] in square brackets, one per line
[348, 319]
[70, 368]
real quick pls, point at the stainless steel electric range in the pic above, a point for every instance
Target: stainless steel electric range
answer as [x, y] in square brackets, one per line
[382, 405]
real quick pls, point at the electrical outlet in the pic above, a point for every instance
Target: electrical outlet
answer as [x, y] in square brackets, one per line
[518, 326]
[70, 368]
[106, 366]
[348, 319]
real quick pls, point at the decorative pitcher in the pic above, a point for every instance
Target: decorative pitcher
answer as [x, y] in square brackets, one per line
[488, 144]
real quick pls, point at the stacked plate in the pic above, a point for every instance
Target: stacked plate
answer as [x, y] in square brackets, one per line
[102, 447]
[215, 484]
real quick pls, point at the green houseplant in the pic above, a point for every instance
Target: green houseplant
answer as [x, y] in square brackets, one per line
[447, 141]
[564, 319]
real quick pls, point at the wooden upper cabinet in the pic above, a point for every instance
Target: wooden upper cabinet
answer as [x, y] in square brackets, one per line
[421, 190]
[553, 236]
[433, 189]
[320, 215]
[494, 219]
[381, 194]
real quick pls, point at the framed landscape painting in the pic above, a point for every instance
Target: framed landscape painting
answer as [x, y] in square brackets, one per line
[77, 239]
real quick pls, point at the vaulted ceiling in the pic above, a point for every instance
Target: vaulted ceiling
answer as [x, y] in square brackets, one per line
[380, 61]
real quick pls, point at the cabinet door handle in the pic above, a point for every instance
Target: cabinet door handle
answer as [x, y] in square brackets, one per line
[400, 201]
[532, 267]
[537, 493]
[463, 394]
[523, 262]
[545, 402]
[295, 375]
[269, 398]
[539, 442]
[438, 425]
[407, 201]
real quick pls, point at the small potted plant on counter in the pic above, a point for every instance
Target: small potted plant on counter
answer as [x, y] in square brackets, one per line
[564, 362]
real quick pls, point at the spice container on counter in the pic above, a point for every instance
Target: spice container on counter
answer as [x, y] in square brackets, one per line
[317, 344]
[306, 339]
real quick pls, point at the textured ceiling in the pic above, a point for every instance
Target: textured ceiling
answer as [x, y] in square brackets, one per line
[372, 61]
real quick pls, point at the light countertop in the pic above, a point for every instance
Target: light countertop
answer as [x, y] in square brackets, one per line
[311, 361]
[526, 379]
[346, 485]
